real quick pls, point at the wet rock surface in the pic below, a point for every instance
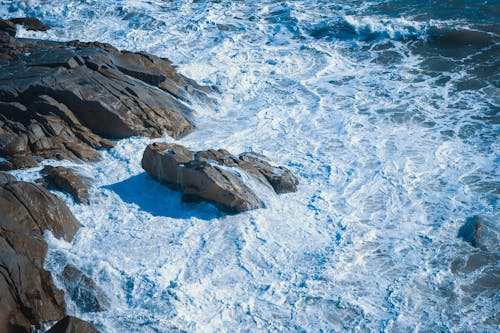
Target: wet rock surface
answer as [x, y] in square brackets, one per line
[66, 180]
[66, 100]
[216, 176]
[28, 295]
[87, 296]
[71, 324]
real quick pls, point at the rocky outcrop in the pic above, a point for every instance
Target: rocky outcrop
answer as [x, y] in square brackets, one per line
[72, 325]
[88, 297]
[66, 180]
[28, 295]
[30, 23]
[216, 176]
[66, 100]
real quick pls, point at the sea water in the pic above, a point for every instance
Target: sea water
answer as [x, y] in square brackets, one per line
[388, 112]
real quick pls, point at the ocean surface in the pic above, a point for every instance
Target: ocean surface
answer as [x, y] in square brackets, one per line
[388, 111]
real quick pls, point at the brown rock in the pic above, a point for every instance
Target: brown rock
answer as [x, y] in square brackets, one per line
[280, 178]
[30, 23]
[28, 295]
[73, 325]
[65, 180]
[224, 188]
[216, 176]
[162, 161]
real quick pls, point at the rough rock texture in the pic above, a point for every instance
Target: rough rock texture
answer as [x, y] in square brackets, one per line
[6, 178]
[65, 100]
[28, 295]
[65, 180]
[72, 325]
[215, 175]
[83, 291]
[30, 23]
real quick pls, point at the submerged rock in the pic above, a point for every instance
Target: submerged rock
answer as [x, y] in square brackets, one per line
[83, 291]
[471, 230]
[27, 292]
[65, 180]
[71, 324]
[215, 175]
[65, 100]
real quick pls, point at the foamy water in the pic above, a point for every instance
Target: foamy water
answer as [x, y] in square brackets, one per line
[392, 132]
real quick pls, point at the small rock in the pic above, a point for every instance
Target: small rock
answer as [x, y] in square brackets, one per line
[30, 23]
[471, 230]
[72, 325]
[65, 180]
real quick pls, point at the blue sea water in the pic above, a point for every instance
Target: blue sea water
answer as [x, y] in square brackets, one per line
[388, 111]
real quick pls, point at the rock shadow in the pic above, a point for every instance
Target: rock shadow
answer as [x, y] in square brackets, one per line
[159, 200]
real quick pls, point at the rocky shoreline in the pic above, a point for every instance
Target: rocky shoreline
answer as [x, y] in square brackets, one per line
[66, 101]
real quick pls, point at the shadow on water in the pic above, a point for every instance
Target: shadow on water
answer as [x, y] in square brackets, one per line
[159, 200]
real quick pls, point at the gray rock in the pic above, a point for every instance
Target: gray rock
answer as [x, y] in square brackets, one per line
[65, 100]
[6, 178]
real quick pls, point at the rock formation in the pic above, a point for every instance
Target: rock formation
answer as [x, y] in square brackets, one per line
[27, 292]
[215, 175]
[66, 100]
[65, 180]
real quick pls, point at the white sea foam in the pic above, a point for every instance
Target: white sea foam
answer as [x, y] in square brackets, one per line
[387, 153]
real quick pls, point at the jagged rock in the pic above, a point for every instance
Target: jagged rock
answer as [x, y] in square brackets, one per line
[215, 175]
[83, 291]
[30, 23]
[65, 100]
[73, 325]
[28, 295]
[65, 180]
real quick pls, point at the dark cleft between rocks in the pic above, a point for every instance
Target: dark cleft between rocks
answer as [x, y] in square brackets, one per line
[215, 176]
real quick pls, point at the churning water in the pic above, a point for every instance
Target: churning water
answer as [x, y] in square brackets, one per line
[387, 110]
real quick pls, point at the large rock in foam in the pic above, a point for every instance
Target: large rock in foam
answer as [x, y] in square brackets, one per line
[215, 175]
